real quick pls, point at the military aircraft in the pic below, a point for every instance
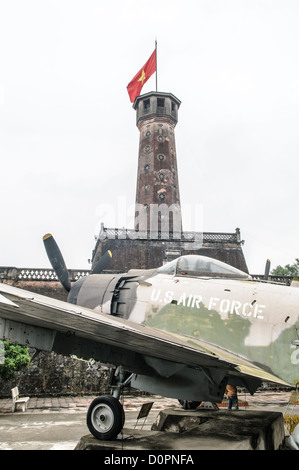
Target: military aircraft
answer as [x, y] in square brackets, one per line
[183, 330]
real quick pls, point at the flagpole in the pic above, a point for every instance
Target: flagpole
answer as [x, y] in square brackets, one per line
[156, 66]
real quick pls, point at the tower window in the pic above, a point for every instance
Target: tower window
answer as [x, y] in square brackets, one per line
[173, 109]
[161, 177]
[146, 105]
[160, 102]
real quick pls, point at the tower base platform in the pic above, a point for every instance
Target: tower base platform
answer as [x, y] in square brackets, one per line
[199, 430]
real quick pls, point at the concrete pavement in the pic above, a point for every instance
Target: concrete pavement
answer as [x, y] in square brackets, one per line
[58, 423]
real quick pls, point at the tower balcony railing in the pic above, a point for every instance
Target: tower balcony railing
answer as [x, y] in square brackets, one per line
[187, 236]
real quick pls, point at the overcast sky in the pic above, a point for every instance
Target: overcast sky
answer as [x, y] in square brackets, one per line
[68, 136]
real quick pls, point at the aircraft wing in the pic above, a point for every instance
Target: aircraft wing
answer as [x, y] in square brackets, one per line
[49, 324]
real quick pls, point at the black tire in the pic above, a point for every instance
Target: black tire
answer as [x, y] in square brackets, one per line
[105, 417]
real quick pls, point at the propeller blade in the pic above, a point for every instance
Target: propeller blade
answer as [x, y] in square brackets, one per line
[102, 263]
[267, 270]
[57, 261]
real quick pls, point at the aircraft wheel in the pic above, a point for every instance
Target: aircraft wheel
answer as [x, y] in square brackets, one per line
[105, 417]
[189, 405]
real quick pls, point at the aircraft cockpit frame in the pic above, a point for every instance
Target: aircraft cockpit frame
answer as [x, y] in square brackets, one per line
[202, 266]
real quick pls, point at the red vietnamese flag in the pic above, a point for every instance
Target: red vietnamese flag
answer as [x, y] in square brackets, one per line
[135, 85]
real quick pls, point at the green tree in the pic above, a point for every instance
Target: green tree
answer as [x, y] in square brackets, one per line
[287, 270]
[16, 357]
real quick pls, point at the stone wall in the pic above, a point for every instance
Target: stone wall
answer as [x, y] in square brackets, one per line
[51, 374]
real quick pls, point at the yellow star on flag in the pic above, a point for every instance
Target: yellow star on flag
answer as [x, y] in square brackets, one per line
[142, 78]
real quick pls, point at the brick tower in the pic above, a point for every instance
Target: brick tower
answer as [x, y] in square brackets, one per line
[158, 208]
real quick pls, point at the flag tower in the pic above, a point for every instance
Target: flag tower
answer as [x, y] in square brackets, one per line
[157, 235]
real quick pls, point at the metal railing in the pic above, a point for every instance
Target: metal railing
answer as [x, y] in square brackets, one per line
[45, 274]
[38, 274]
[285, 280]
[207, 237]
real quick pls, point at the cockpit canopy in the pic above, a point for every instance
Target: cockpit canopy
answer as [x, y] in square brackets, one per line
[201, 266]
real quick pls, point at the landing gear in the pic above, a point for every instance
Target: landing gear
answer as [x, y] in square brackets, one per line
[105, 417]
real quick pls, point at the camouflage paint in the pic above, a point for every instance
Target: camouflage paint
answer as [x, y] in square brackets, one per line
[230, 333]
